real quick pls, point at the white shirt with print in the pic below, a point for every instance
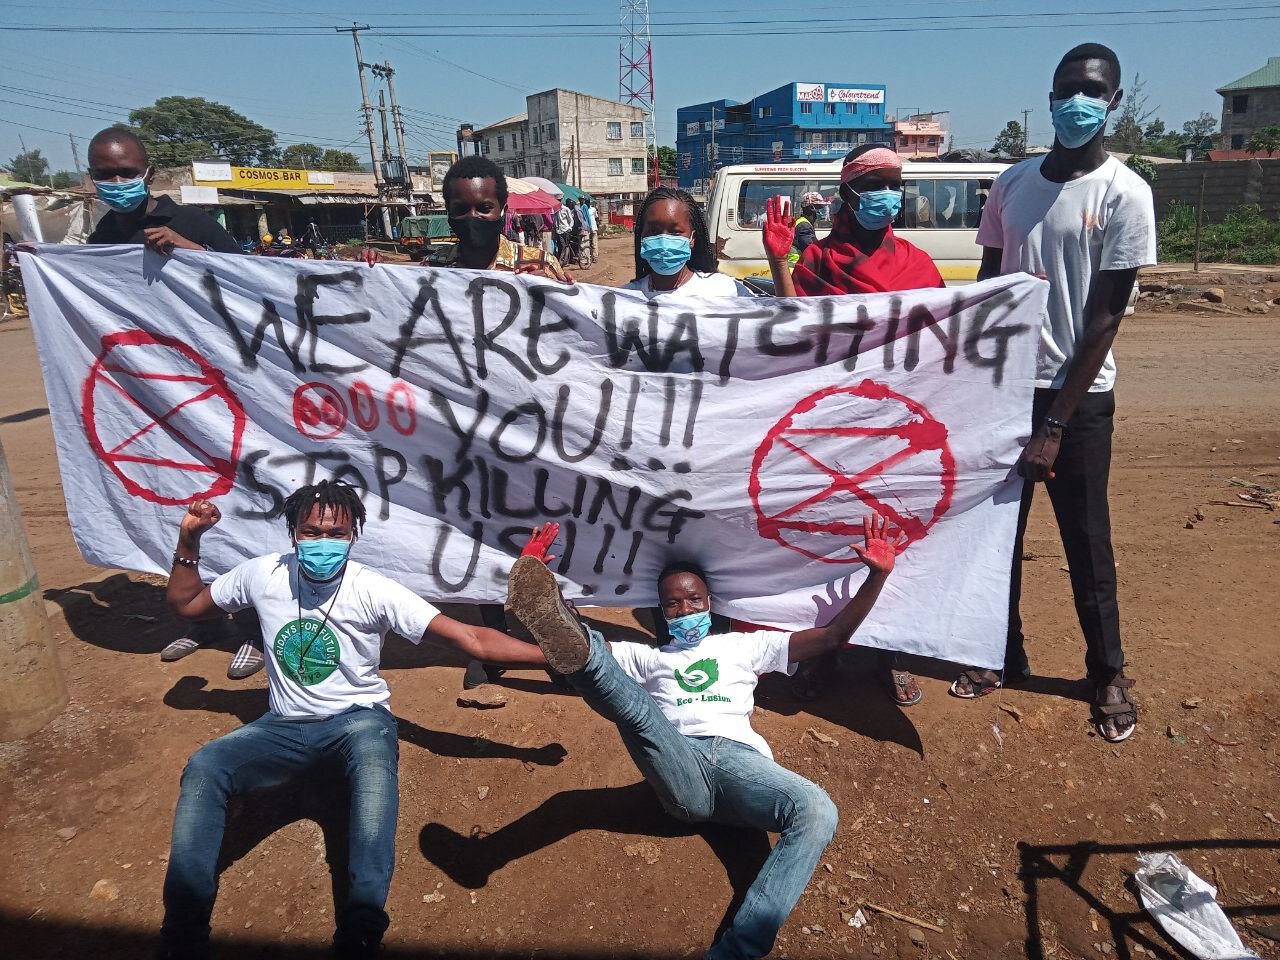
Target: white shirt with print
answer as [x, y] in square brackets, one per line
[698, 285]
[316, 666]
[1105, 220]
[709, 691]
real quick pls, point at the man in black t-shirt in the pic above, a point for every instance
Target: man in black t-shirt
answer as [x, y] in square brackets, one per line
[121, 172]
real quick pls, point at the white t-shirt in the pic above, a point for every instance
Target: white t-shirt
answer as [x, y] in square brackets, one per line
[698, 285]
[1068, 232]
[341, 665]
[709, 691]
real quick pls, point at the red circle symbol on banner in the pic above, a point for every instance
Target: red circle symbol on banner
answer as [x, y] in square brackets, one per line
[319, 412]
[814, 477]
[162, 419]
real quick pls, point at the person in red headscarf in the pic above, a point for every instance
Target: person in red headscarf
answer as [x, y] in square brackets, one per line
[859, 255]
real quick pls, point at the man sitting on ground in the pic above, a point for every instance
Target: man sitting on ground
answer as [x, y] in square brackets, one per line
[684, 713]
[324, 618]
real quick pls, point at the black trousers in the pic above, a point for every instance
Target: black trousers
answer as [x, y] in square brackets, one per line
[1078, 493]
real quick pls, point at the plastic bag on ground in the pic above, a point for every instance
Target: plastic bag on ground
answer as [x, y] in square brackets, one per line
[1186, 908]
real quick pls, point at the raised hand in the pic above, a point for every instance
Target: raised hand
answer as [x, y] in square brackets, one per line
[540, 542]
[779, 234]
[880, 545]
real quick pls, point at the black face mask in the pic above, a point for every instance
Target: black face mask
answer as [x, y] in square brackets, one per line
[476, 233]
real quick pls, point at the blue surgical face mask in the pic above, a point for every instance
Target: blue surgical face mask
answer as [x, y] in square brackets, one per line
[322, 558]
[122, 195]
[878, 208]
[1078, 119]
[666, 253]
[690, 630]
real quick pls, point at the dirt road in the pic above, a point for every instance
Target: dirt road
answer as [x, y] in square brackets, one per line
[525, 831]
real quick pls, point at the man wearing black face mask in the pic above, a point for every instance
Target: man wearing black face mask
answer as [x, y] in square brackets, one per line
[475, 195]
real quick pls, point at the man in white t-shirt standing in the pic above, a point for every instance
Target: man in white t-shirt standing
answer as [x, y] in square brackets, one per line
[324, 618]
[684, 713]
[1085, 222]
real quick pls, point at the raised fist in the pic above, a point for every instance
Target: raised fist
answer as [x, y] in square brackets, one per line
[200, 516]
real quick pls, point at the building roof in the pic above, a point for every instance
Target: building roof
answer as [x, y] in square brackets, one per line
[506, 122]
[1268, 76]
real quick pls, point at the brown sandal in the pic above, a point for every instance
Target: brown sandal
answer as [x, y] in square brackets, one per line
[902, 681]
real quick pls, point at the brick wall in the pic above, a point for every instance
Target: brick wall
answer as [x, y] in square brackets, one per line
[1227, 184]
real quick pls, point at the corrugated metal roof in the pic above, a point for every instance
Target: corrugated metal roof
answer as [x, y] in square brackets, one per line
[1268, 76]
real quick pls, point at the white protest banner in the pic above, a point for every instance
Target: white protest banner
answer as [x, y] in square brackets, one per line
[749, 435]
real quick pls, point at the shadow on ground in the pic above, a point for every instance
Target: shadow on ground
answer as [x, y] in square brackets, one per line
[632, 810]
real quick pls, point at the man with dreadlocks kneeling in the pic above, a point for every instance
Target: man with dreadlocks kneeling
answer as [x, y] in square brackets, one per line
[324, 618]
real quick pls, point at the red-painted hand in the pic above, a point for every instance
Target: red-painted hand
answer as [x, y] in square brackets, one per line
[880, 546]
[779, 234]
[540, 542]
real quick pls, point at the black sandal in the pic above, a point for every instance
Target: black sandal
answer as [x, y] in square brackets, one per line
[1126, 708]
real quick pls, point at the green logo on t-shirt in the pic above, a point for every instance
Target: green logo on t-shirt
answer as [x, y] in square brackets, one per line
[698, 676]
[306, 653]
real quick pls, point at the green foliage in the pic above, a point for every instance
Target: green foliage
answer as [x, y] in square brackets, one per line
[1011, 141]
[1143, 168]
[667, 166]
[340, 161]
[30, 167]
[1243, 236]
[1264, 140]
[64, 179]
[302, 156]
[178, 130]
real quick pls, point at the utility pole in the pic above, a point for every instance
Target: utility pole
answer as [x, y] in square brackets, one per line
[367, 108]
[711, 162]
[75, 155]
[386, 137]
[397, 122]
[1025, 132]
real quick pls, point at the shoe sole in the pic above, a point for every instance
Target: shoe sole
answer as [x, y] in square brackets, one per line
[535, 600]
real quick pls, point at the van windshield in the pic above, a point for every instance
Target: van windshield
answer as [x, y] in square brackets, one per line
[942, 203]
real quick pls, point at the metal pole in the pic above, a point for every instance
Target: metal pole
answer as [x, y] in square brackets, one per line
[75, 155]
[397, 122]
[32, 691]
[711, 161]
[1025, 132]
[386, 137]
[1199, 220]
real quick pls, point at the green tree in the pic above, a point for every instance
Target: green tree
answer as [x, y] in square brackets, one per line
[1011, 141]
[64, 179]
[1127, 133]
[302, 156]
[1264, 140]
[667, 164]
[178, 130]
[1205, 125]
[30, 167]
[341, 161]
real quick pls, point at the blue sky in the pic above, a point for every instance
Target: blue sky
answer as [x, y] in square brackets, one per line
[986, 71]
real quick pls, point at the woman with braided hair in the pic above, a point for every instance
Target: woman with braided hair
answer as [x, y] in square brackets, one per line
[674, 251]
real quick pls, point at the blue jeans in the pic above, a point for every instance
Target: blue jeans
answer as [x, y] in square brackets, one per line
[268, 752]
[717, 780]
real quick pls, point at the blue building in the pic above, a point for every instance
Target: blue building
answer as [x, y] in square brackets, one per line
[798, 121]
